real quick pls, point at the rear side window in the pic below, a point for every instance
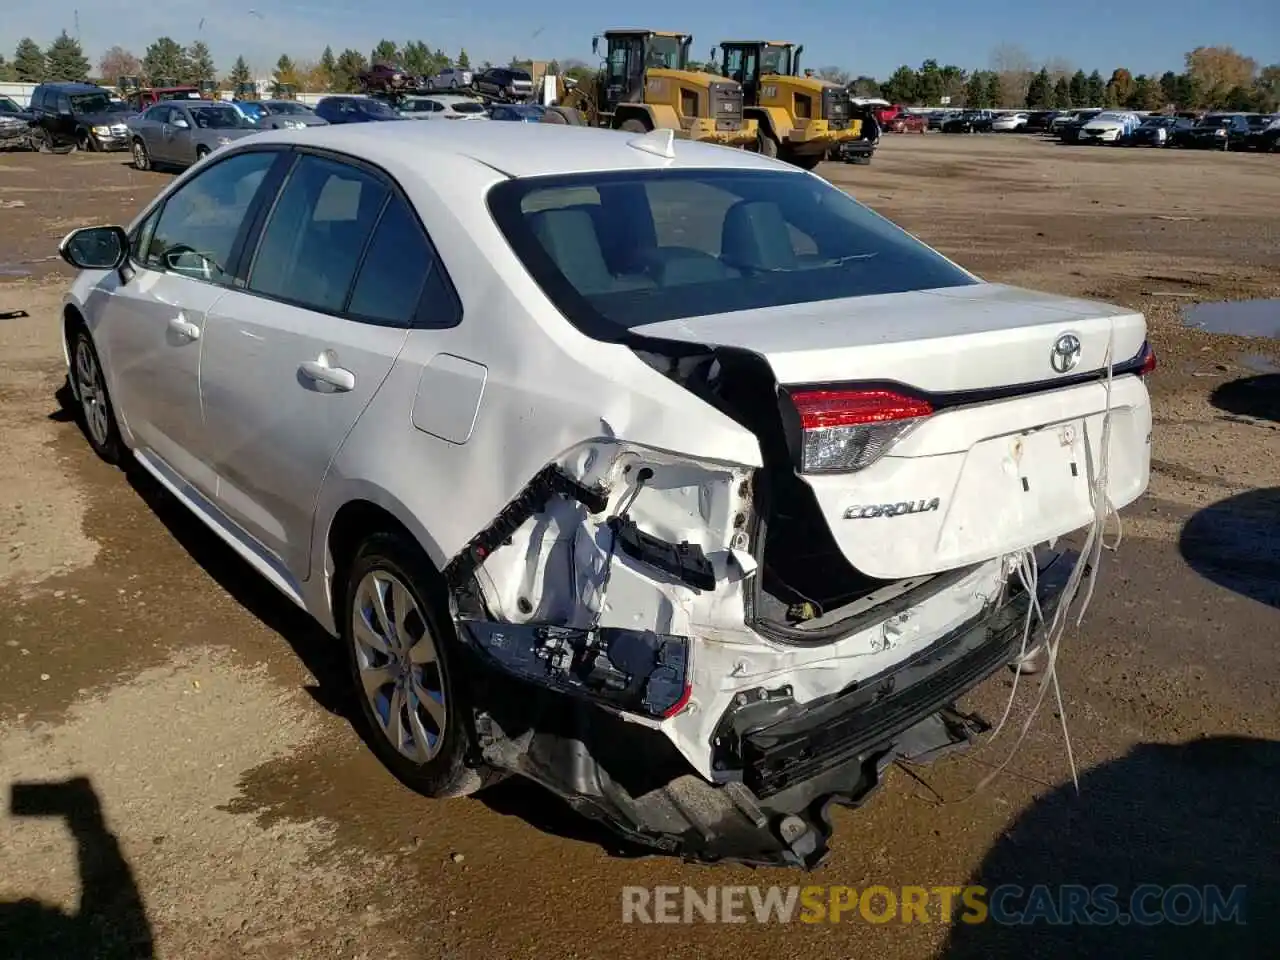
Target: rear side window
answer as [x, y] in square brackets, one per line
[317, 233]
[702, 242]
[399, 266]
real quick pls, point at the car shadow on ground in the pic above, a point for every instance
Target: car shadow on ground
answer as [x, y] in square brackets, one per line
[1195, 820]
[111, 922]
[1235, 543]
[1257, 397]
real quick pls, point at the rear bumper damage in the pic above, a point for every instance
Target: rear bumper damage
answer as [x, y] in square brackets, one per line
[586, 714]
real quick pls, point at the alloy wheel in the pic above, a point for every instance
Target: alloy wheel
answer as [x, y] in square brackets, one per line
[401, 674]
[93, 393]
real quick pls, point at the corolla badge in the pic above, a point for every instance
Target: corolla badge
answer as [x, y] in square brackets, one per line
[871, 510]
[1065, 353]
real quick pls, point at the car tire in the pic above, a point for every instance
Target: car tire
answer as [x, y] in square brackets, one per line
[766, 145]
[412, 650]
[85, 142]
[201, 153]
[141, 156]
[96, 415]
[633, 126]
[41, 141]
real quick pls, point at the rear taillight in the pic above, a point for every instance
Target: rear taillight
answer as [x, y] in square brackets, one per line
[1148, 361]
[846, 430]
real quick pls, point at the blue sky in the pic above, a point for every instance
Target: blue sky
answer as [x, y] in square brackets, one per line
[864, 36]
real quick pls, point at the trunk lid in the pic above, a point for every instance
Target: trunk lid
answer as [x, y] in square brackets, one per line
[1002, 444]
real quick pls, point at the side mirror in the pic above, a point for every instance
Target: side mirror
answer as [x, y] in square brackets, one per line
[595, 45]
[95, 248]
[714, 55]
[182, 125]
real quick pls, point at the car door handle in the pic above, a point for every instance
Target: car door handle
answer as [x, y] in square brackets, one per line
[336, 377]
[184, 328]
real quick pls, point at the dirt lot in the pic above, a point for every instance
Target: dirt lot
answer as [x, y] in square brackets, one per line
[241, 816]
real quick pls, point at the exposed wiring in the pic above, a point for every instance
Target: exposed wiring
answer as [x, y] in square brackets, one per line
[1024, 566]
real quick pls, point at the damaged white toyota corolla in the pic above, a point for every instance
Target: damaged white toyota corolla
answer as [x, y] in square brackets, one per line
[665, 475]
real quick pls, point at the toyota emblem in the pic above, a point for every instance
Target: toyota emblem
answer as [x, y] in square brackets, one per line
[1066, 353]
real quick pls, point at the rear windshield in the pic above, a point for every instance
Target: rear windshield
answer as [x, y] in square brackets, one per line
[619, 250]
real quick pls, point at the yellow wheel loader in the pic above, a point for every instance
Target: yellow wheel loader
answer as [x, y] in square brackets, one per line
[800, 119]
[645, 84]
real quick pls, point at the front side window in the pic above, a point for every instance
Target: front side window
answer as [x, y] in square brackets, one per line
[317, 233]
[376, 108]
[198, 225]
[704, 242]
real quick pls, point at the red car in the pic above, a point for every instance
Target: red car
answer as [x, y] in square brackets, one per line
[382, 76]
[886, 115]
[908, 123]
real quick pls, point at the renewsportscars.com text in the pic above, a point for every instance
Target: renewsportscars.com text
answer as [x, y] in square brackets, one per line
[1008, 904]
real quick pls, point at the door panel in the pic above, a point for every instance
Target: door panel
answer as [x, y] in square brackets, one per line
[282, 386]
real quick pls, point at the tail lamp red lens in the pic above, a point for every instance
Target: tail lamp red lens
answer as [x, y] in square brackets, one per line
[846, 430]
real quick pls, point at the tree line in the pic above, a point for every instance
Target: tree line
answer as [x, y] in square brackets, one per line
[1212, 77]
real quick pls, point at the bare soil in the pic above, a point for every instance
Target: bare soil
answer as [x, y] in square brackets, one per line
[230, 809]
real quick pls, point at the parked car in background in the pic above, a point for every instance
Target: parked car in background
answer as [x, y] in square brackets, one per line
[518, 112]
[287, 114]
[145, 97]
[970, 121]
[71, 116]
[1110, 126]
[1215, 131]
[1070, 116]
[382, 77]
[1258, 123]
[15, 124]
[908, 123]
[1268, 138]
[1158, 131]
[1009, 122]
[1069, 132]
[505, 83]
[178, 133]
[342, 109]
[452, 78]
[441, 107]
[936, 118]
[1039, 121]
[431, 394]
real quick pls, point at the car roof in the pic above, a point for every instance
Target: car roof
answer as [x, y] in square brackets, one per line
[517, 150]
[73, 86]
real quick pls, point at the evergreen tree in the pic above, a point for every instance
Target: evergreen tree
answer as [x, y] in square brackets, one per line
[65, 60]
[1039, 91]
[1079, 89]
[995, 91]
[200, 65]
[463, 61]
[1062, 94]
[1095, 90]
[28, 61]
[165, 60]
[975, 91]
[239, 73]
[346, 72]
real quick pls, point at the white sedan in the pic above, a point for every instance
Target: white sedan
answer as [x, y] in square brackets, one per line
[1009, 122]
[1110, 126]
[442, 107]
[666, 475]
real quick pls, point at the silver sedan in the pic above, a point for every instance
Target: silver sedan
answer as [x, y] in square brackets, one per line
[178, 134]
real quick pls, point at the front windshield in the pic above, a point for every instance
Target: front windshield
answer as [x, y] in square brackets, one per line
[9, 106]
[91, 103]
[253, 111]
[1214, 122]
[218, 118]
[776, 60]
[416, 106]
[662, 52]
[1111, 116]
[706, 242]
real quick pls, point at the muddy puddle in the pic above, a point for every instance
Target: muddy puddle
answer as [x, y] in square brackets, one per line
[1242, 318]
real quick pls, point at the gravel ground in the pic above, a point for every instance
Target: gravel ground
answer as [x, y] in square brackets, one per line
[217, 802]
